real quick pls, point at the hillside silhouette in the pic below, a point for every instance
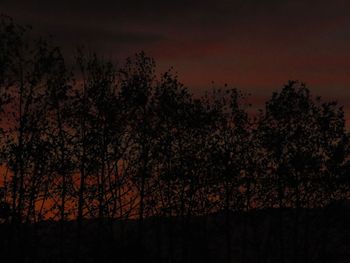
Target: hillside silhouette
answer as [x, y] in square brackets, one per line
[106, 162]
[324, 237]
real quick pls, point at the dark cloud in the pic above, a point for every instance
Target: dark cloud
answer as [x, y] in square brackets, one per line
[241, 19]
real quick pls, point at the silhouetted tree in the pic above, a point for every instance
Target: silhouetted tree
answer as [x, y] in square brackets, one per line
[229, 147]
[28, 68]
[301, 137]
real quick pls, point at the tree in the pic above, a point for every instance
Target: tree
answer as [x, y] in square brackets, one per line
[300, 137]
[229, 161]
[29, 66]
[137, 87]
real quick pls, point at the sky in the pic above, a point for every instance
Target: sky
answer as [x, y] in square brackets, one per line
[253, 45]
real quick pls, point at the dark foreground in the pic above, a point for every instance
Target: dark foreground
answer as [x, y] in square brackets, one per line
[317, 235]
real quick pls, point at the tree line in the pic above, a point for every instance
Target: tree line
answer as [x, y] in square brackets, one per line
[106, 142]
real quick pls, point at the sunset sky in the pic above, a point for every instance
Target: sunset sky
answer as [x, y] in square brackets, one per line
[254, 45]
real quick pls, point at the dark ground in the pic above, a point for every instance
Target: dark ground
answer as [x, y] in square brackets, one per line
[272, 235]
